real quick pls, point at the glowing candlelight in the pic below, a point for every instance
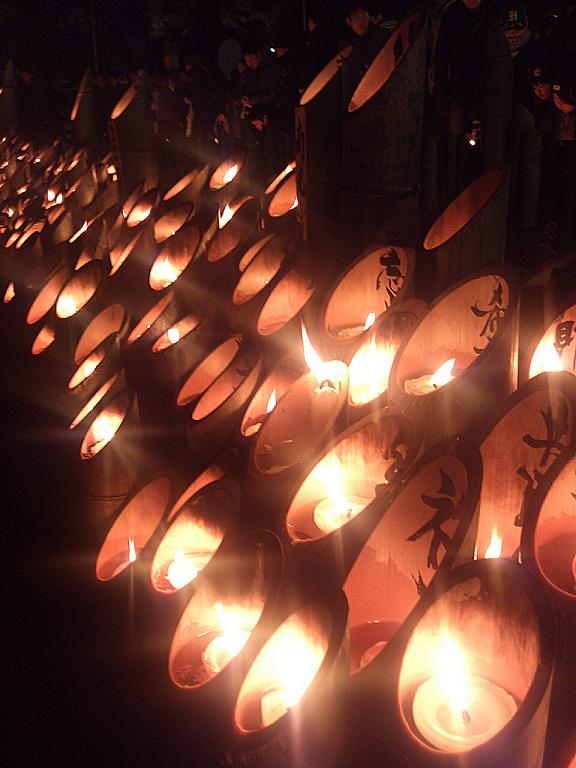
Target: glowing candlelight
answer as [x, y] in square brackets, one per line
[294, 204]
[66, 306]
[50, 195]
[173, 335]
[545, 359]
[271, 404]
[252, 428]
[10, 293]
[431, 382]
[337, 508]
[228, 644]
[230, 174]
[164, 273]
[495, 547]
[370, 368]
[103, 430]
[224, 216]
[131, 550]
[326, 373]
[181, 570]
[456, 711]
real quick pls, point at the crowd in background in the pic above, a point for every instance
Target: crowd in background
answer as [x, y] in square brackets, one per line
[202, 110]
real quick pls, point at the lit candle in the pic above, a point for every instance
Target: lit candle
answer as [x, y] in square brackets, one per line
[455, 711]
[224, 216]
[67, 306]
[230, 174]
[173, 335]
[182, 570]
[431, 382]
[545, 359]
[494, 549]
[332, 513]
[228, 644]
[370, 368]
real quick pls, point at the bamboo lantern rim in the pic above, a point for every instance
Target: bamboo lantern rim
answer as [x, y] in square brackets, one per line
[34, 228]
[182, 183]
[246, 370]
[90, 363]
[213, 473]
[219, 178]
[124, 101]
[123, 248]
[150, 317]
[285, 301]
[285, 198]
[113, 317]
[142, 208]
[548, 544]
[48, 293]
[177, 332]
[264, 264]
[133, 528]
[549, 352]
[209, 368]
[253, 251]
[463, 209]
[377, 278]
[233, 231]
[82, 88]
[387, 60]
[490, 650]
[326, 74]
[105, 426]
[45, 338]
[172, 220]
[176, 253]
[79, 289]
[96, 398]
[129, 203]
[277, 180]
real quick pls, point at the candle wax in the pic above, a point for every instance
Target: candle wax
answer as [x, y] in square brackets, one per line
[488, 709]
[223, 648]
[273, 705]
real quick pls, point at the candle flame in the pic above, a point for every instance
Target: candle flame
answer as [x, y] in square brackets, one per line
[495, 547]
[444, 374]
[230, 174]
[294, 204]
[233, 624]
[103, 430]
[271, 404]
[370, 320]
[131, 550]
[164, 272]
[173, 335]
[545, 359]
[50, 195]
[181, 570]
[317, 366]
[330, 475]
[451, 671]
[225, 215]
[111, 169]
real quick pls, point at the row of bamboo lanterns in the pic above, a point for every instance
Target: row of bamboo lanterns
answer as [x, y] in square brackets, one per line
[331, 535]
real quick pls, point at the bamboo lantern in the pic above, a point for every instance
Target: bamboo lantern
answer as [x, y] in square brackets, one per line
[94, 372]
[555, 349]
[487, 632]
[549, 533]
[47, 294]
[461, 358]
[285, 684]
[61, 227]
[226, 180]
[286, 371]
[176, 253]
[195, 536]
[261, 268]
[280, 199]
[368, 287]
[347, 475]
[236, 221]
[406, 539]
[82, 115]
[132, 533]
[132, 119]
[302, 419]
[109, 449]
[217, 623]
[318, 140]
[188, 188]
[531, 431]
[381, 155]
[224, 389]
[370, 365]
[81, 193]
[92, 243]
[114, 320]
[469, 234]
[79, 294]
[171, 219]
[115, 383]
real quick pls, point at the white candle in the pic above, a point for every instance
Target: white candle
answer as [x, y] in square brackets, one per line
[428, 383]
[453, 727]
